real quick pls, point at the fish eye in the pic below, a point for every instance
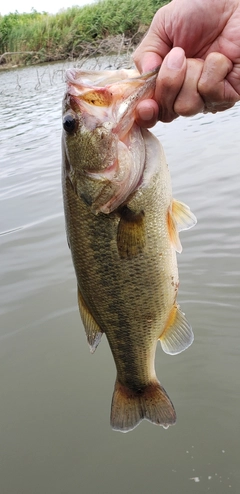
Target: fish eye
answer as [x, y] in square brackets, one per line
[69, 123]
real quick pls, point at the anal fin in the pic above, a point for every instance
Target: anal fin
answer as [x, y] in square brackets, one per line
[92, 329]
[177, 335]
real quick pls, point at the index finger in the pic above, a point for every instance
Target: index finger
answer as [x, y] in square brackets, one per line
[146, 61]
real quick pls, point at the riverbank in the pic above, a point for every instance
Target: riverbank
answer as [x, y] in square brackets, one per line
[106, 26]
[112, 45]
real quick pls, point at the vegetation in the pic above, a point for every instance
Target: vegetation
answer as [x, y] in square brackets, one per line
[40, 37]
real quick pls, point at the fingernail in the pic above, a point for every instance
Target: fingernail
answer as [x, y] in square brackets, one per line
[146, 114]
[175, 59]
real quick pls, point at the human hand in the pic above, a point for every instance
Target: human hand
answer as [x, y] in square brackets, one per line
[197, 44]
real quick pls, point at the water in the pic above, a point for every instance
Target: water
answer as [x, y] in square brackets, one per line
[55, 397]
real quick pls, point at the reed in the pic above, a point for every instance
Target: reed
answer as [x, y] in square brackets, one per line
[40, 37]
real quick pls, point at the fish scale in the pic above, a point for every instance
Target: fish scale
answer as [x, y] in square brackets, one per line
[125, 258]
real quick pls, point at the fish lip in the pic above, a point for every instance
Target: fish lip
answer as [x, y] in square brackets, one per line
[71, 75]
[77, 85]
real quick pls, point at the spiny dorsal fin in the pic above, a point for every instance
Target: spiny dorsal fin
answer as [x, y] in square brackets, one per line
[92, 329]
[179, 217]
[131, 235]
[177, 335]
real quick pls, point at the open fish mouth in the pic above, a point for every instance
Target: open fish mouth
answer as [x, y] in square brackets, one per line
[108, 101]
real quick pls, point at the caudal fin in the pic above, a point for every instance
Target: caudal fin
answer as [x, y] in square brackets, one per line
[129, 407]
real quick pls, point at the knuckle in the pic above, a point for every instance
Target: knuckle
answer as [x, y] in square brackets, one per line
[187, 107]
[206, 89]
[167, 116]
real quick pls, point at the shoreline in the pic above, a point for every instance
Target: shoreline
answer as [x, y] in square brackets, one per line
[112, 45]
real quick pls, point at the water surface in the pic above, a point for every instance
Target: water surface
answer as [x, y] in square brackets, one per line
[55, 397]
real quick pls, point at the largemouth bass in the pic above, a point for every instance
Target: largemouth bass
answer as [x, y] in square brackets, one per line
[122, 228]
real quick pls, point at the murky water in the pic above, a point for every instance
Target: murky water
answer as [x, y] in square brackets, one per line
[54, 396]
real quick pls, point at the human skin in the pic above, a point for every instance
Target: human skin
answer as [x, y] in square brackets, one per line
[197, 45]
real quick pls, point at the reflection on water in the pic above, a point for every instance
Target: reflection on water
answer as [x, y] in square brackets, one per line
[54, 420]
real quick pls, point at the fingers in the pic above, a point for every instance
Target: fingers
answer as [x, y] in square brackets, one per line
[219, 84]
[169, 82]
[188, 86]
[176, 91]
[189, 102]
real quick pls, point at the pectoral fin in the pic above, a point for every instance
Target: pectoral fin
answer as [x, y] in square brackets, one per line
[183, 216]
[177, 335]
[179, 218]
[92, 329]
[131, 236]
[173, 231]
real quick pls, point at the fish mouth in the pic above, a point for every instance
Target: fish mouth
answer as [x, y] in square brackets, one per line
[108, 99]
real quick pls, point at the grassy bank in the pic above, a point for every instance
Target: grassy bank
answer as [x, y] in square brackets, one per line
[40, 37]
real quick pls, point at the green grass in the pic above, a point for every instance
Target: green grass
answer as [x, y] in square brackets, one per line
[55, 37]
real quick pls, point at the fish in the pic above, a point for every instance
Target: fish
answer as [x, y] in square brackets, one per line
[122, 227]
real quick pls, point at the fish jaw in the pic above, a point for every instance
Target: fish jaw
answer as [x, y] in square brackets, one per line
[105, 114]
[113, 103]
[125, 175]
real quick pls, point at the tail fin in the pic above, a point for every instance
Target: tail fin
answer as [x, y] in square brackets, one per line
[129, 407]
